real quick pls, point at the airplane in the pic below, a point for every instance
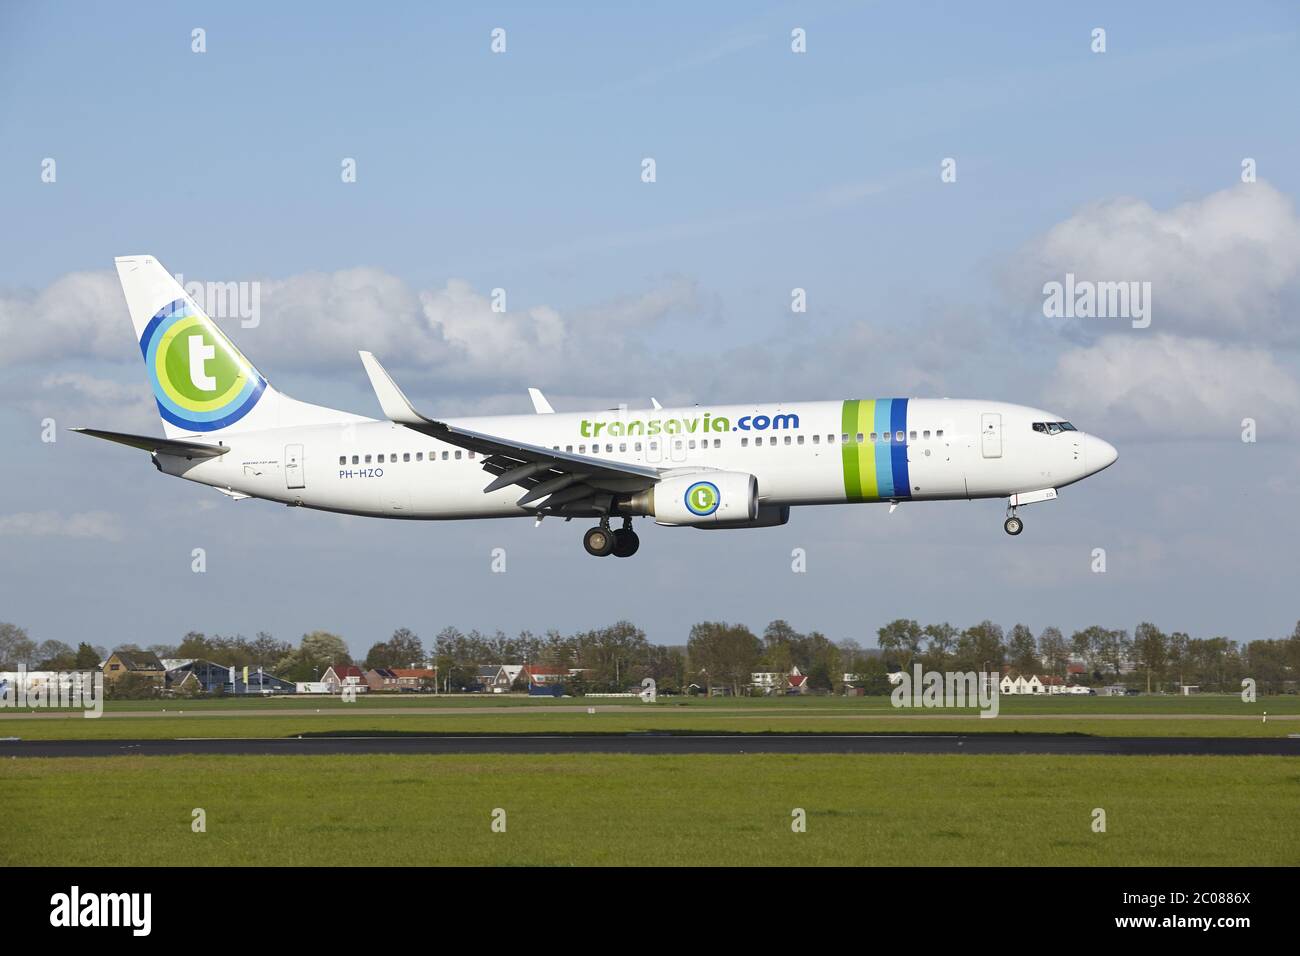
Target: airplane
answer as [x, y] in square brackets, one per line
[711, 467]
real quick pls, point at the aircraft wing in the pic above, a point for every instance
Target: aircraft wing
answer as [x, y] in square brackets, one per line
[550, 477]
[158, 446]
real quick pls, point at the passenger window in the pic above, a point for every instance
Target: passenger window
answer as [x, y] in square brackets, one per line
[654, 446]
[582, 449]
[830, 439]
[860, 436]
[609, 447]
[677, 443]
[926, 434]
[458, 453]
[691, 443]
[939, 433]
[471, 456]
[343, 459]
[744, 443]
[800, 439]
[637, 446]
[622, 446]
[381, 459]
[884, 436]
[419, 456]
[817, 439]
[758, 440]
[445, 455]
[568, 448]
[874, 437]
[406, 456]
[898, 436]
[354, 459]
[844, 439]
[787, 439]
[912, 436]
[717, 443]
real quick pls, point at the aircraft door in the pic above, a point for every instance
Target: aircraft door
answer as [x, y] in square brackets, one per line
[991, 435]
[293, 473]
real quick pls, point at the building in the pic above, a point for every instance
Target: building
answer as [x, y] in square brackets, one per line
[416, 678]
[381, 678]
[141, 663]
[542, 674]
[209, 677]
[339, 676]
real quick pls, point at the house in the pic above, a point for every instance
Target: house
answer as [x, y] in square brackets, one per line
[493, 679]
[339, 676]
[416, 678]
[1033, 685]
[142, 663]
[381, 678]
[542, 674]
[797, 681]
[766, 680]
[1053, 684]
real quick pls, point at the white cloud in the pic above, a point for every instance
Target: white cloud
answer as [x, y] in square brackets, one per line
[1225, 266]
[81, 315]
[1169, 387]
[84, 524]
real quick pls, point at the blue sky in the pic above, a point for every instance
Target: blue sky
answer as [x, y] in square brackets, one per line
[775, 170]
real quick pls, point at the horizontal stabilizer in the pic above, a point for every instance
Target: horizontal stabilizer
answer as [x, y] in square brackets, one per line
[159, 446]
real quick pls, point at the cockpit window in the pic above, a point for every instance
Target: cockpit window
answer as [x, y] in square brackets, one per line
[1053, 428]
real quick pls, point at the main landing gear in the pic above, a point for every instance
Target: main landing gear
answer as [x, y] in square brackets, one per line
[601, 541]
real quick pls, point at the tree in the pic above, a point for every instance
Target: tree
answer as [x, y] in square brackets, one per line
[1054, 650]
[55, 656]
[87, 658]
[1150, 650]
[726, 654]
[901, 642]
[979, 645]
[15, 647]
[1023, 650]
[941, 643]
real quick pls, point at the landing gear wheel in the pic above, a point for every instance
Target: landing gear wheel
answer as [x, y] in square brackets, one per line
[1013, 525]
[625, 543]
[598, 541]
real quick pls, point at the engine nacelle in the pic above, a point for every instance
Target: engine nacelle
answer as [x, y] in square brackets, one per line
[769, 516]
[702, 499]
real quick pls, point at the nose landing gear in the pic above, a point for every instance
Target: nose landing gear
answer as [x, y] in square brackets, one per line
[601, 541]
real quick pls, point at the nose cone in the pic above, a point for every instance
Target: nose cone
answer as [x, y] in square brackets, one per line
[1098, 454]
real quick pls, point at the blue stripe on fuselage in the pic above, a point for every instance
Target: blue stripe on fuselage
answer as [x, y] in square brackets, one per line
[898, 450]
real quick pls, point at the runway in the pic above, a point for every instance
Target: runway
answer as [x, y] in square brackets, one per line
[663, 745]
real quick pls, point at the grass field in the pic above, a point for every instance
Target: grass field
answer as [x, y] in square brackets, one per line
[1204, 716]
[610, 809]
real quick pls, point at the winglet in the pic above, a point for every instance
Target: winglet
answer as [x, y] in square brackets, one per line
[397, 407]
[540, 404]
[655, 402]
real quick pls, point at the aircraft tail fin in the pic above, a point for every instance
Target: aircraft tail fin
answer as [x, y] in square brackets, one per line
[200, 380]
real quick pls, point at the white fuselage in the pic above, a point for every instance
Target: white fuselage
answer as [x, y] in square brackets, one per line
[950, 449]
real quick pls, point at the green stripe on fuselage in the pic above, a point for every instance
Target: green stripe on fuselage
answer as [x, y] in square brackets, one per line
[852, 479]
[859, 458]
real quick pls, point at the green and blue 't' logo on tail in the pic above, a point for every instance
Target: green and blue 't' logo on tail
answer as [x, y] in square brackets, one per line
[199, 379]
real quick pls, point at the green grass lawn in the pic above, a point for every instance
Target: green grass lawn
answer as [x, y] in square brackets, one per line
[1064, 704]
[1219, 715]
[646, 810]
[651, 719]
